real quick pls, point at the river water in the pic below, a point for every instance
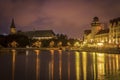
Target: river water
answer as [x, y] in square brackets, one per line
[58, 65]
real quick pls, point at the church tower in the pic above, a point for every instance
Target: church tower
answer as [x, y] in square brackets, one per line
[96, 26]
[13, 28]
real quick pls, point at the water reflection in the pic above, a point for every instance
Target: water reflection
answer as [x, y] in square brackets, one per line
[13, 63]
[51, 66]
[117, 62]
[37, 52]
[27, 52]
[77, 62]
[68, 65]
[100, 65]
[84, 56]
[26, 65]
[112, 63]
[94, 65]
[60, 64]
[105, 65]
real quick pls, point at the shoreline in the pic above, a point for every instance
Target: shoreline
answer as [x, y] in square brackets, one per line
[101, 50]
[83, 49]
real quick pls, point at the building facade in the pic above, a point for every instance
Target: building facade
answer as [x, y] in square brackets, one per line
[114, 34]
[91, 36]
[109, 37]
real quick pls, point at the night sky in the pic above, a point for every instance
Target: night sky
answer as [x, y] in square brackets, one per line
[70, 17]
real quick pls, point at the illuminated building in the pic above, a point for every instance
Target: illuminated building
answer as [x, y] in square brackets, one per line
[102, 36]
[96, 27]
[110, 36]
[87, 36]
[114, 34]
[35, 34]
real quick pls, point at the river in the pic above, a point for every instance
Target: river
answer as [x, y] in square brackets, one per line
[58, 65]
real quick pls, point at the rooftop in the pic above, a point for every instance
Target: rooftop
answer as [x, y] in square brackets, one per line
[87, 32]
[103, 31]
[39, 33]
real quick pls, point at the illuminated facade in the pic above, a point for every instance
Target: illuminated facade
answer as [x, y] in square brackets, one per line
[98, 34]
[91, 36]
[102, 36]
[114, 34]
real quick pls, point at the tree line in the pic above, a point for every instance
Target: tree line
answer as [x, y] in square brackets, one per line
[18, 40]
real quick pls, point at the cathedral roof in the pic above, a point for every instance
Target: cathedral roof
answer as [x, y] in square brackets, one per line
[39, 33]
[116, 20]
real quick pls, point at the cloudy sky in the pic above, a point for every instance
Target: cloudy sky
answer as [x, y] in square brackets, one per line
[70, 17]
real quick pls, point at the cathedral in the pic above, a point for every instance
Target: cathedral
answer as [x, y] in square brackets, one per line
[35, 34]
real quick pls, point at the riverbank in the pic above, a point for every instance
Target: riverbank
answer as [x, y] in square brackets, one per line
[30, 48]
[85, 49]
[102, 50]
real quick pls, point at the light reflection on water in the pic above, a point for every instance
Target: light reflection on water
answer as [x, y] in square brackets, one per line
[68, 60]
[37, 52]
[51, 66]
[77, 62]
[58, 65]
[13, 63]
[84, 65]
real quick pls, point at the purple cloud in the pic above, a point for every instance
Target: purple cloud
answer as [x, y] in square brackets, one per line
[63, 16]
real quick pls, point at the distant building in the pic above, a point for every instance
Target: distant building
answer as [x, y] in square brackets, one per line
[98, 34]
[39, 34]
[35, 34]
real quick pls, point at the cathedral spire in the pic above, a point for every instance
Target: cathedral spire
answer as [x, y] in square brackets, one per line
[12, 27]
[12, 24]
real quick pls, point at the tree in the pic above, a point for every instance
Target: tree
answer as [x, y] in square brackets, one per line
[51, 44]
[37, 44]
[68, 44]
[22, 40]
[13, 44]
[2, 41]
[59, 44]
[61, 36]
